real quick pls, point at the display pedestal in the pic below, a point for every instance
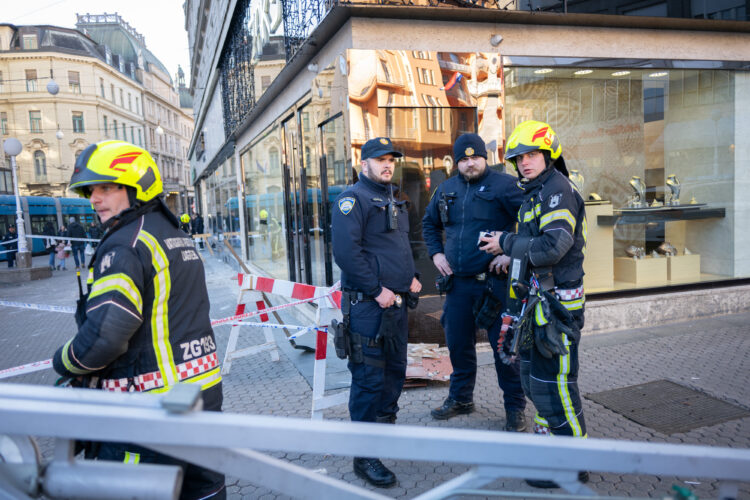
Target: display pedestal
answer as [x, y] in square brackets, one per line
[684, 267]
[641, 271]
[597, 265]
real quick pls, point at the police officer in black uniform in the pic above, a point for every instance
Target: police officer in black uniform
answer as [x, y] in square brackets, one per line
[370, 227]
[475, 200]
[551, 238]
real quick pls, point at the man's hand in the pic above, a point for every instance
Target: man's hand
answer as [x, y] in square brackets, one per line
[386, 298]
[499, 263]
[442, 264]
[492, 243]
[416, 286]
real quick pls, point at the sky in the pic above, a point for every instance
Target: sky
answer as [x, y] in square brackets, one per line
[161, 22]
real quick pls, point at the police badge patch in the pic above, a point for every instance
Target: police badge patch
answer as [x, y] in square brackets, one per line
[554, 200]
[346, 205]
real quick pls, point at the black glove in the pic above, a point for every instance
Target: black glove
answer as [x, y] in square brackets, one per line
[548, 338]
[389, 327]
[412, 300]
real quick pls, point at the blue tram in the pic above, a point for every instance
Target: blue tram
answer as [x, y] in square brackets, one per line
[38, 210]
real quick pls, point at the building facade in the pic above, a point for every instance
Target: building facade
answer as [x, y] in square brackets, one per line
[165, 122]
[110, 87]
[95, 101]
[649, 111]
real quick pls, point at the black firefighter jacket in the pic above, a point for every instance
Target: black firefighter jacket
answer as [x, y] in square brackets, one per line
[147, 325]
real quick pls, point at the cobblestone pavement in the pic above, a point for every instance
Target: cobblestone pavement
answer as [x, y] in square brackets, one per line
[708, 355]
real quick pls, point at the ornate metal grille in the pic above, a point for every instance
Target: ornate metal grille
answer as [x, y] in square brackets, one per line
[236, 70]
[301, 17]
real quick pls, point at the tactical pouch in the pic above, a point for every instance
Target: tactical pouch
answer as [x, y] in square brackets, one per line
[412, 300]
[444, 283]
[340, 339]
[388, 332]
[356, 355]
[487, 309]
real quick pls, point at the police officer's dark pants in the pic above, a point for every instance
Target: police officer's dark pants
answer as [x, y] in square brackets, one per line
[375, 390]
[460, 335]
[552, 385]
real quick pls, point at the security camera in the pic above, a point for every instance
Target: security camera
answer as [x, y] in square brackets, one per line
[495, 40]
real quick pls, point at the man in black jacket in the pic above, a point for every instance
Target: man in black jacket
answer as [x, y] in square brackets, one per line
[13, 245]
[76, 230]
[464, 206]
[552, 239]
[371, 246]
[143, 325]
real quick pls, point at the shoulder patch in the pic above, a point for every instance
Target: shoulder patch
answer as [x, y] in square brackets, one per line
[106, 262]
[554, 200]
[346, 204]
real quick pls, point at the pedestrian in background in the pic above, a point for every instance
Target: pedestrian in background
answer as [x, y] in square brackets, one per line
[11, 245]
[370, 229]
[76, 230]
[50, 243]
[62, 255]
[474, 201]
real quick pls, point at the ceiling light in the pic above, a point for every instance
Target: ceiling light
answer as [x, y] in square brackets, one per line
[659, 74]
[620, 73]
[543, 71]
[584, 72]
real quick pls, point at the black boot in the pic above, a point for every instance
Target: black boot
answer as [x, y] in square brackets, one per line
[583, 477]
[515, 421]
[386, 419]
[374, 472]
[451, 408]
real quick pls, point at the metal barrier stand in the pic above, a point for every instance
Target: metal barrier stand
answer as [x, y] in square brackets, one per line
[228, 443]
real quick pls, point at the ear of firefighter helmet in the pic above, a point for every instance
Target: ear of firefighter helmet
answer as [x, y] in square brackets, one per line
[118, 162]
[184, 218]
[530, 136]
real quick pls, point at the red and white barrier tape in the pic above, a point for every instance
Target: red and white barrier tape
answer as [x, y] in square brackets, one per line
[47, 363]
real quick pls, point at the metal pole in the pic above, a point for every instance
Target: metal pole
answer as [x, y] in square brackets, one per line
[20, 229]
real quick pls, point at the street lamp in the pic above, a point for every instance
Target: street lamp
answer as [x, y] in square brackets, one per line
[13, 148]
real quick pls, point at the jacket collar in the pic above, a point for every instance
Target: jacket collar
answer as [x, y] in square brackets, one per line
[386, 189]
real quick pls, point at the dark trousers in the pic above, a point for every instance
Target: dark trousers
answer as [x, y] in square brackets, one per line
[78, 251]
[461, 338]
[552, 385]
[375, 390]
[198, 483]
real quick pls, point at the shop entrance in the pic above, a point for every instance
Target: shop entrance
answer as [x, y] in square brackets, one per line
[303, 185]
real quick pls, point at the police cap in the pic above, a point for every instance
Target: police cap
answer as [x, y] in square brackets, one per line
[379, 146]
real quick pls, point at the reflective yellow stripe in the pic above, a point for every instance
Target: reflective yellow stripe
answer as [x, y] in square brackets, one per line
[562, 214]
[118, 283]
[132, 458]
[562, 387]
[90, 278]
[573, 305]
[160, 312]
[66, 360]
[539, 420]
[584, 232]
[539, 315]
[212, 376]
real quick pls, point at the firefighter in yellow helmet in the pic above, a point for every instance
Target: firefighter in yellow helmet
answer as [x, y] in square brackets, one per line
[548, 250]
[185, 223]
[143, 326]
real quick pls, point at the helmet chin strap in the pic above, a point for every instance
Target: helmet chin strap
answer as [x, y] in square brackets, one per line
[134, 205]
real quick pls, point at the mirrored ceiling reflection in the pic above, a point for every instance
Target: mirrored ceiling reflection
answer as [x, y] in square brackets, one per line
[424, 100]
